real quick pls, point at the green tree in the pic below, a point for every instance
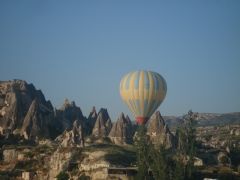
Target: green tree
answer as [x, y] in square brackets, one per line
[177, 170]
[150, 158]
[158, 162]
[142, 145]
[163, 164]
[187, 144]
[234, 153]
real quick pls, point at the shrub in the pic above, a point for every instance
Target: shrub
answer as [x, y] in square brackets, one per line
[84, 177]
[62, 176]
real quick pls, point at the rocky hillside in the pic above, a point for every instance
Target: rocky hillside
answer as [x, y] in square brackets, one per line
[24, 111]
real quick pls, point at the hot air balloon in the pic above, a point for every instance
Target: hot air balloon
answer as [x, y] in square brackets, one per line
[143, 92]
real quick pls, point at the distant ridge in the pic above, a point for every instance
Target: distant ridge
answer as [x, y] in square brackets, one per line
[207, 119]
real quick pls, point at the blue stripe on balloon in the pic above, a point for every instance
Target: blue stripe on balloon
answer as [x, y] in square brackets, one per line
[146, 80]
[151, 105]
[156, 85]
[136, 82]
[162, 82]
[128, 81]
[156, 104]
[164, 85]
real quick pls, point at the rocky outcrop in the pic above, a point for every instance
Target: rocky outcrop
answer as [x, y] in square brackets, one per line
[198, 161]
[235, 132]
[37, 121]
[122, 131]
[22, 107]
[159, 132]
[90, 122]
[73, 137]
[27, 175]
[102, 125]
[94, 165]
[67, 114]
[61, 160]
[223, 158]
[10, 155]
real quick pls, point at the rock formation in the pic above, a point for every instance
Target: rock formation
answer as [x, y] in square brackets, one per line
[159, 132]
[67, 114]
[223, 158]
[90, 122]
[60, 160]
[9, 155]
[102, 125]
[37, 121]
[94, 165]
[73, 137]
[23, 109]
[122, 131]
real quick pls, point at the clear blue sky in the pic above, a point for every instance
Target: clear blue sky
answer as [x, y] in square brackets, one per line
[81, 49]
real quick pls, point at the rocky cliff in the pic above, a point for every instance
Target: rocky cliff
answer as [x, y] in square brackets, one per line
[23, 109]
[122, 131]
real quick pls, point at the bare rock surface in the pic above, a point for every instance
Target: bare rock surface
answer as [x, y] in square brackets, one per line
[10, 155]
[102, 125]
[94, 165]
[60, 161]
[122, 131]
[73, 137]
[159, 132]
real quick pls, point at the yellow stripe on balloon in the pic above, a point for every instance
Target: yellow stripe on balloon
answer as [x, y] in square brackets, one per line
[141, 93]
[132, 95]
[124, 91]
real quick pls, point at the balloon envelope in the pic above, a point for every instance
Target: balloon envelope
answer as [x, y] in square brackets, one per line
[143, 92]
